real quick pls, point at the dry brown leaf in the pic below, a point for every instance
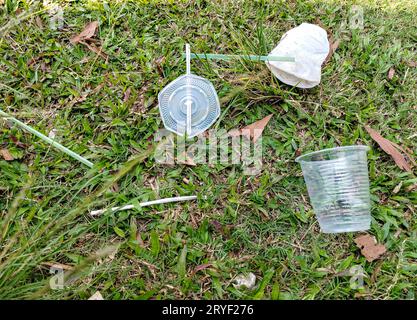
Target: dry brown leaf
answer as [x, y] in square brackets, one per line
[92, 47]
[370, 249]
[86, 34]
[253, 130]
[407, 152]
[412, 64]
[96, 296]
[333, 45]
[391, 73]
[6, 155]
[390, 148]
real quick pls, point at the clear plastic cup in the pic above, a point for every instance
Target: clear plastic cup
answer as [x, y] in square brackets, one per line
[338, 185]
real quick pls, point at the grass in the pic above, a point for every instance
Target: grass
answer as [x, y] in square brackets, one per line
[262, 224]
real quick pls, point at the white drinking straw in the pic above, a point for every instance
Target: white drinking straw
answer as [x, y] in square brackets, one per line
[188, 102]
[144, 204]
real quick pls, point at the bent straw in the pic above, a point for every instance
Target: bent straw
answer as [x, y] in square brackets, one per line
[47, 140]
[144, 204]
[227, 57]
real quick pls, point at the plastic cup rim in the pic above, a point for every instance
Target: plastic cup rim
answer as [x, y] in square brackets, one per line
[337, 149]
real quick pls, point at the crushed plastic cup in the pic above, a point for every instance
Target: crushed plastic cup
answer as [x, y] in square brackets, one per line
[338, 185]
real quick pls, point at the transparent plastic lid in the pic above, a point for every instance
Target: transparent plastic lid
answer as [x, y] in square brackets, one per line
[189, 104]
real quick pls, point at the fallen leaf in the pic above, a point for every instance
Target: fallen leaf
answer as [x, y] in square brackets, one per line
[370, 249]
[86, 34]
[406, 151]
[6, 155]
[253, 130]
[333, 45]
[391, 148]
[126, 95]
[92, 47]
[96, 296]
[412, 64]
[391, 73]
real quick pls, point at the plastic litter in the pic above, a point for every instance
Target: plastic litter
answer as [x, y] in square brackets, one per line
[338, 185]
[144, 204]
[309, 45]
[245, 281]
[189, 104]
[47, 139]
[227, 57]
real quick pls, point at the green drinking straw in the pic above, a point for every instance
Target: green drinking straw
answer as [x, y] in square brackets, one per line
[47, 139]
[227, 57]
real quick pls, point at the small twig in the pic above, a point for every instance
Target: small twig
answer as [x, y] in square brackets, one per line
[144, 204]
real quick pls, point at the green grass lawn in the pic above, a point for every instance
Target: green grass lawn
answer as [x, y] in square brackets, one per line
[262, 224]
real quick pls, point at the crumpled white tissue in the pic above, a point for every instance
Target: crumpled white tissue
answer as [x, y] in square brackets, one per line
[309, 45]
